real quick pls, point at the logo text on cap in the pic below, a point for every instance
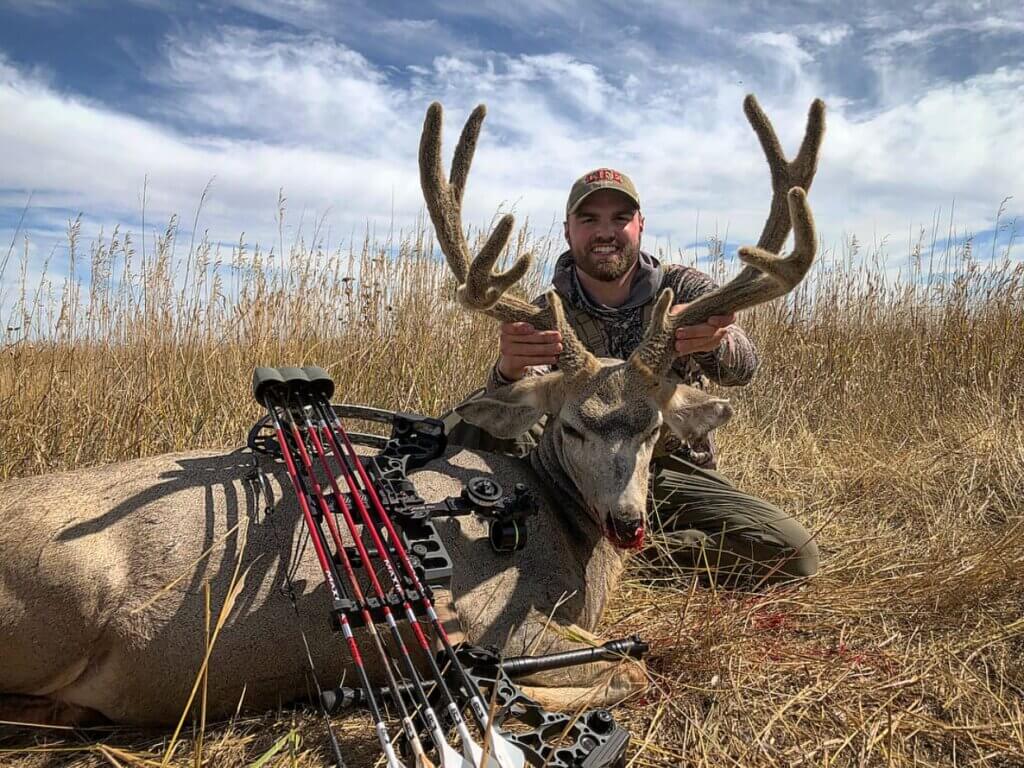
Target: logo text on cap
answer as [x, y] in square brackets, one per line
[603, 174]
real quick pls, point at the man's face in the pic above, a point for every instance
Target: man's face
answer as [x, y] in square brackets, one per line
[604, 234]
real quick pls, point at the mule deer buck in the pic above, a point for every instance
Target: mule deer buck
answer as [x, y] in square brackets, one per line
[102, 570]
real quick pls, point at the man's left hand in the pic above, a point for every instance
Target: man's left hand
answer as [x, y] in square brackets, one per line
[705, 337]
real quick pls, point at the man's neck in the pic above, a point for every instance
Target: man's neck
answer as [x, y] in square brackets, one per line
[610, 294]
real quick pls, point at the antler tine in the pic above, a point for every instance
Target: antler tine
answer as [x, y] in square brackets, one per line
[575, 359]
[480, 288]
[786, 272]
[785, 174]
[806, 161]
[766, 277]
[464, 151]
[484, 288]
[444, 211]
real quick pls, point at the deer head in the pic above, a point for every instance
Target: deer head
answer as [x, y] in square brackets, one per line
[606, 416]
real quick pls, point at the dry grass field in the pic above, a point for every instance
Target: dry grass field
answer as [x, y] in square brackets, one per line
[887, 415]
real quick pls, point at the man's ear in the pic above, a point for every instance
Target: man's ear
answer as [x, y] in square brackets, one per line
[565, 229]
[510, 411]
[690, 412]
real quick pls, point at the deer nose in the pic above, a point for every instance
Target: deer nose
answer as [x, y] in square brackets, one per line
[628, 534]
[626, 528]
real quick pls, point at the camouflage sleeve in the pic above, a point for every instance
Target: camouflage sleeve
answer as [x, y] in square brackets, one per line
[495, 379]
[735, 361]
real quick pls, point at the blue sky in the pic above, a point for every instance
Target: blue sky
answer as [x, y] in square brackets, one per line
[325, 100]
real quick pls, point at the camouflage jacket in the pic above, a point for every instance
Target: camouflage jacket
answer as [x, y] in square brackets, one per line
[617, 331]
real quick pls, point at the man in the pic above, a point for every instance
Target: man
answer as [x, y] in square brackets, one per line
[608, 287]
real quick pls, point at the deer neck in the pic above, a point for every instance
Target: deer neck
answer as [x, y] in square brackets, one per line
[601, 562]
[546, 461]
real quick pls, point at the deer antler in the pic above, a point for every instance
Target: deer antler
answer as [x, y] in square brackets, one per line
[785, 174]
[480, 288]
[766, 276]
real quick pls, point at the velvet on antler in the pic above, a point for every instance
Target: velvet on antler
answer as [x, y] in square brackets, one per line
[766, 276]
[480, 287]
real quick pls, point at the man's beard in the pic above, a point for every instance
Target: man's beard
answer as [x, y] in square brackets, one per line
[607, 270]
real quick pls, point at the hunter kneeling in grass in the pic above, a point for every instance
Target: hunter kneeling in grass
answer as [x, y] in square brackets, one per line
[608, 287]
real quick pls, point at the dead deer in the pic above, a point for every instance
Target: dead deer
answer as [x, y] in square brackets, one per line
[103, 571]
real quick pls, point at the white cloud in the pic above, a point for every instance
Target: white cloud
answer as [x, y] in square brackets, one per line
[339, 134]
[39, 7]
[984, 26]
[286, 88]
[952, 143]
[824, 34]
[785, 55]
[784, 43]
[370, 26]
[83, 157]
[581, 83]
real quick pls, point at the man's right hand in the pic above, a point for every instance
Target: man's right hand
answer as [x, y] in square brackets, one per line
[521, 345]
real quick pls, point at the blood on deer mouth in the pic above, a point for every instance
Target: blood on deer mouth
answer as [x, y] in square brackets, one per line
[624, 537]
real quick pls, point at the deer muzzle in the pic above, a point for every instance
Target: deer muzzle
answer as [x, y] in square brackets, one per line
[625, 534]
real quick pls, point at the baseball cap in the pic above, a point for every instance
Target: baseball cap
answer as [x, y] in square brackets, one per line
[600, 178]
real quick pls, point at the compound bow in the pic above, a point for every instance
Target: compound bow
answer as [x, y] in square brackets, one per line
[303, 430]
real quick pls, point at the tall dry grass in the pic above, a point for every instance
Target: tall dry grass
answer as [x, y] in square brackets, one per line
[155, 352]
[886, 415]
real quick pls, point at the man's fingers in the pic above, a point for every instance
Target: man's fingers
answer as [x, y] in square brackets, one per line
[517, 328]
[519, 349]
[535, 360]
[696, 331]
[542, 337]
[689, 346]
[522, 345]
[534, 337]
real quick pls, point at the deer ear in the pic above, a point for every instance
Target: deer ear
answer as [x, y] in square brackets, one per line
[691, 413]
[510, 411]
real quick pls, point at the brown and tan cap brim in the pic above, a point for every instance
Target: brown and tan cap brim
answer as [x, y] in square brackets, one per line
[602, 178]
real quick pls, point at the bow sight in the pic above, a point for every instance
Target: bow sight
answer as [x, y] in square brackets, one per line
[304, 431]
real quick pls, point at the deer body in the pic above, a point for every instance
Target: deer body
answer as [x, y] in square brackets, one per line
[102, 571]
[86, 553]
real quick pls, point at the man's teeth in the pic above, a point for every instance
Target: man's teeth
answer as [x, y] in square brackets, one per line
[605, 249]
